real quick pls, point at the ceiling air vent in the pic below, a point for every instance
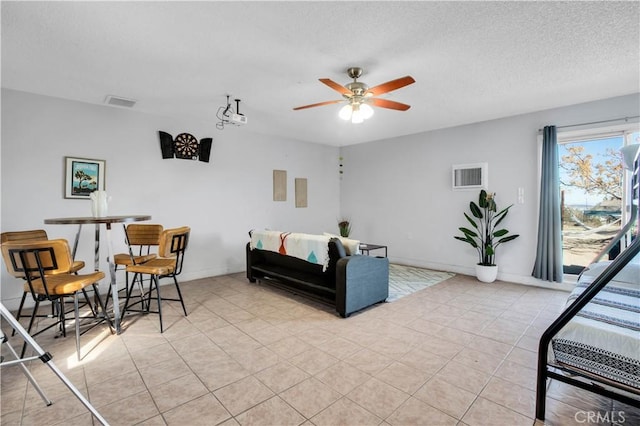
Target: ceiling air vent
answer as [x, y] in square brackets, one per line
[469, 176]
[119, 101]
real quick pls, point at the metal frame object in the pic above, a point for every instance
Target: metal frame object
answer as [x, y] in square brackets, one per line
[44, 357]
[20, 361]
[546, 371]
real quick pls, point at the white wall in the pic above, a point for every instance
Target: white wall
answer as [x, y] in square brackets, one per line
[398, 192]
[220, 200]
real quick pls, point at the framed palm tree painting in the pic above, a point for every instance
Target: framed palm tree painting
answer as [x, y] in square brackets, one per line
[83, 176]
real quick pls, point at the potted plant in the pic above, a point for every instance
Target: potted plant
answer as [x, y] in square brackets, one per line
[484, 237]
[345, 228]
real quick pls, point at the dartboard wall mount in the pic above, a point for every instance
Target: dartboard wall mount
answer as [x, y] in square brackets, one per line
[185, 146]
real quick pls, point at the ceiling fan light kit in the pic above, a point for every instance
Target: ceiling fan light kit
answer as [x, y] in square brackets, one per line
[360, 97]
[356, 112]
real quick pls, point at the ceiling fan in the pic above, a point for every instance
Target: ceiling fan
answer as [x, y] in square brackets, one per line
[360, 97]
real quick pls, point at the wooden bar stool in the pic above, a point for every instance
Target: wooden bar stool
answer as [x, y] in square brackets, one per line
[46, 266]
[36, 235]
[168, 264]
[140, 239]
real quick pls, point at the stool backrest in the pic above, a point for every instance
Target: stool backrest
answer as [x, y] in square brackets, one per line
[173, 244]
[34, 235]
[143, 234]
[36, 258]
[31, 235]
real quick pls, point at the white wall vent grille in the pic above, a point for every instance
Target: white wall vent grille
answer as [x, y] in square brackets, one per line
[118, 101]
[469, 176]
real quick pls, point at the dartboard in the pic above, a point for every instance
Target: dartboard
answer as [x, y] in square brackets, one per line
[186, 146]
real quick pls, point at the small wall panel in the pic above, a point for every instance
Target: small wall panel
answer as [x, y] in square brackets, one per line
[301, 192]
[279, 185]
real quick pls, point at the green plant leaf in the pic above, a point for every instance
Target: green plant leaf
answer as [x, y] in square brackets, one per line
[509, 238]
[489, 250]
[467, 240]
[482, 199]
[500, 216]
[468, 232]
[471, 221]
[475, 210]
[500, 233]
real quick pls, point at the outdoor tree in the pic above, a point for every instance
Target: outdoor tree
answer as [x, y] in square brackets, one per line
[594, 177]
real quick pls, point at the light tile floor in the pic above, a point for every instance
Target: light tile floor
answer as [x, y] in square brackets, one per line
[458, 353]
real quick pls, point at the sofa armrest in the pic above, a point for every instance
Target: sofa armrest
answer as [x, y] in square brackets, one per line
[361, 281]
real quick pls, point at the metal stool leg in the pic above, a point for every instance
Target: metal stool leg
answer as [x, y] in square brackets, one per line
[184, 309]
[76, 311]
[157, 284]
[24, 297]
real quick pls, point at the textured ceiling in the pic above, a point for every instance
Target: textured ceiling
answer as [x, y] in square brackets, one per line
[472, 61]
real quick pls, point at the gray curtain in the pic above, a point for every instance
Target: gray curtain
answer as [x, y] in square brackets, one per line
[548, 264]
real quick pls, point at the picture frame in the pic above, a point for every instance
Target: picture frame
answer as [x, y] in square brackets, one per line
[82, 176]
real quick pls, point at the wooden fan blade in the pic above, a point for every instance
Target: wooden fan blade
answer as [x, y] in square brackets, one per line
[385, 103]
[337, 87]
[390, 85]
[318, 104]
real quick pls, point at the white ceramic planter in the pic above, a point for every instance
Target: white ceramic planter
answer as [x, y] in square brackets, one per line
[486, 274]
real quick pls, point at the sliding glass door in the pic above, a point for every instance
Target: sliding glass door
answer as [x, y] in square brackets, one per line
[594, 199]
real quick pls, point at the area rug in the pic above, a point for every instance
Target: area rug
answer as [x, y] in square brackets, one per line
[405, 280]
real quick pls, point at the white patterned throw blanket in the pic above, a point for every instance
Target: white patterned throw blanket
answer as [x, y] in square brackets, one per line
[310, 247]
[604, 337]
